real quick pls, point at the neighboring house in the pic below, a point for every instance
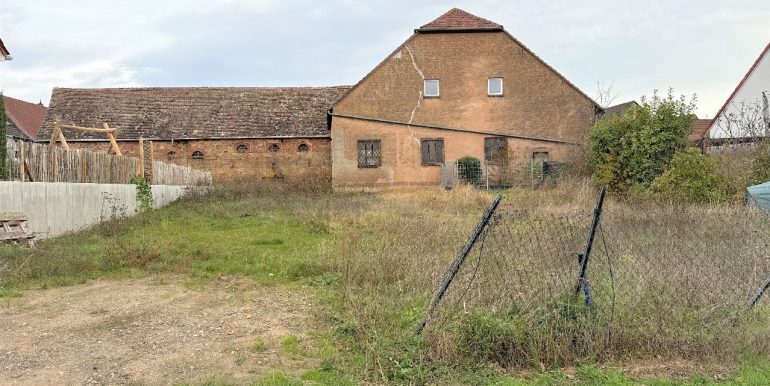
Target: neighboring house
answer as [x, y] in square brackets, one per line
[699, 135]
[745, 114]
[236, 133]
[4, 54]
[24, 118]
[459, 86]
[618, 109]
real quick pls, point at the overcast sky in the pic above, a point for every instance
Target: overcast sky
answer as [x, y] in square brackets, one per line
[702, 47]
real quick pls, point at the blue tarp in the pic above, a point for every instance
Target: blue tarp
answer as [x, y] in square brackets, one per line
[759, 195]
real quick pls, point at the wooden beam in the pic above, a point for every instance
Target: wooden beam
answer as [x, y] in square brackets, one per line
[140, 171]
[22, 171]
[110, 135]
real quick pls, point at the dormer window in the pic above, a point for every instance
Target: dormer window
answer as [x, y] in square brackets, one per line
[495, 86]
[431, 88]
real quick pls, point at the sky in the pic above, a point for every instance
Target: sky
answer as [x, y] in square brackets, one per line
[633, 47]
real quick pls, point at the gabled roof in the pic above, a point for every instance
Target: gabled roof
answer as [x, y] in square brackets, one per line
[738, 87]
[458, 20]
[25, 117]
[619, 108]
[3, 51]
[194, 112]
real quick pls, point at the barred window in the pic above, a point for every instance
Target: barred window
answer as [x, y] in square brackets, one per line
[495, 149]
[369, 153]
[197, 154]
[303, 147]
[274, 147]
[242, 148]
[432, 151]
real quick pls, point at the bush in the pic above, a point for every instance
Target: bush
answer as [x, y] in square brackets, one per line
[469, 170]
[760, 165]
[691, 177]
[637, 146]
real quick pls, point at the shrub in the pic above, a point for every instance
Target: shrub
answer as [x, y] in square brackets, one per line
[637, 146]
[469, 170]
[691, 177]
[760, 165]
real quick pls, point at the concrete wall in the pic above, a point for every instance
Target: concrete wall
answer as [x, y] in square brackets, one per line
[57, 208]
[536, 102]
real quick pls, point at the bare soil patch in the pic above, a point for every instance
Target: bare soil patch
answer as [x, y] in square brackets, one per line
[150, 331]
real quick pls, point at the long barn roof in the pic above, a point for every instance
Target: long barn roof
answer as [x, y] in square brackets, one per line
[194, 112]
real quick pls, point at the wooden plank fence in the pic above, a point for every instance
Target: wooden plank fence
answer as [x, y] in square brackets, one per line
[44, 163]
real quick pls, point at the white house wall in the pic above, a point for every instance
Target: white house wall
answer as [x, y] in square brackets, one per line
[749, 93]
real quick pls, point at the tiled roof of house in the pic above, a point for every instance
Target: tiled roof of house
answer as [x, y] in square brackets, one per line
[3, 51]
[194, 112]
[25, 118]
[699, 129]
[458, 20]
[619, 108]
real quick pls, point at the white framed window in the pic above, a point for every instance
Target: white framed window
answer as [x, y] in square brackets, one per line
[430, 88]
[495, 86]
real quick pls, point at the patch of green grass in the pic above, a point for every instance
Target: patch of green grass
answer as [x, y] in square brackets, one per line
[258, 345]
[292, 346]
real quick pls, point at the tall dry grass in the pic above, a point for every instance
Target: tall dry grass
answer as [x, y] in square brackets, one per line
[666, 280]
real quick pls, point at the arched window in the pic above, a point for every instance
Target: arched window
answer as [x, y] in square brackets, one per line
[273, 147]
[242, 148]
[197, 154]
[303, 147]
[171, 154]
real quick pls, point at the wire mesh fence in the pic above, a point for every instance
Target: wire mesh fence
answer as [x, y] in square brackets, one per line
[500, 175]
[660, 280]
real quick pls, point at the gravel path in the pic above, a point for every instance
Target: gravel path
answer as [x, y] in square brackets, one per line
[148, 331]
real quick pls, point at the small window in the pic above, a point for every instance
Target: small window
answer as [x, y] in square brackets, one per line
[171, 154]
[242, 148]
[495, 86]
[430, 88]
[197, 154]
[369, 153]
[495, 150]
[432, 151]
[274, 147]
[303, 147]
[540, 157]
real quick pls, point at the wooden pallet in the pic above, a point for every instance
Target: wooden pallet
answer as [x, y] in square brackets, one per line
[13, 229]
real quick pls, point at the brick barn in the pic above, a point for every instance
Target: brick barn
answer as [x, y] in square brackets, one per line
[459, 86]
[235, 133]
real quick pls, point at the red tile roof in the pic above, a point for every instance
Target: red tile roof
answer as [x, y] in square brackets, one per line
[699, 129]
[740, 84]
[3, 50]
[458, 20]
[24, 116]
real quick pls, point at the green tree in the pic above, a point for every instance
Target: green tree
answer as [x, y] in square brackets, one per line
[4, 173]
[634, 148]
[691, 177]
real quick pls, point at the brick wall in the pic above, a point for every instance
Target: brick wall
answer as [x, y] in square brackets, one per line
[226, 163]
[536, 103]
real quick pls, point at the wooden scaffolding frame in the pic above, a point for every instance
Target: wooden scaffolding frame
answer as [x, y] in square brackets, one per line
[58, 135]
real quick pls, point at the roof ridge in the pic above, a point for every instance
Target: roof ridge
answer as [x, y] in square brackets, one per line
[457, 19]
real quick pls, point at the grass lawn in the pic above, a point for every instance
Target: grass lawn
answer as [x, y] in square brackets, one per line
[371, 261]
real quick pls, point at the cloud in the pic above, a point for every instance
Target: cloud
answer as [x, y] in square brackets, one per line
[701, 47]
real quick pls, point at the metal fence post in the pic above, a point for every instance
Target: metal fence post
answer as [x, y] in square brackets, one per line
[589, 242]
[455, 267]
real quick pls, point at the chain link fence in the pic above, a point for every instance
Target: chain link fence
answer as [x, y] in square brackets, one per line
[660, 280]
[492, 175]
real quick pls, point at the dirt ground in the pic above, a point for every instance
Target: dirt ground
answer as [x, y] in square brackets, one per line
[149, 331]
